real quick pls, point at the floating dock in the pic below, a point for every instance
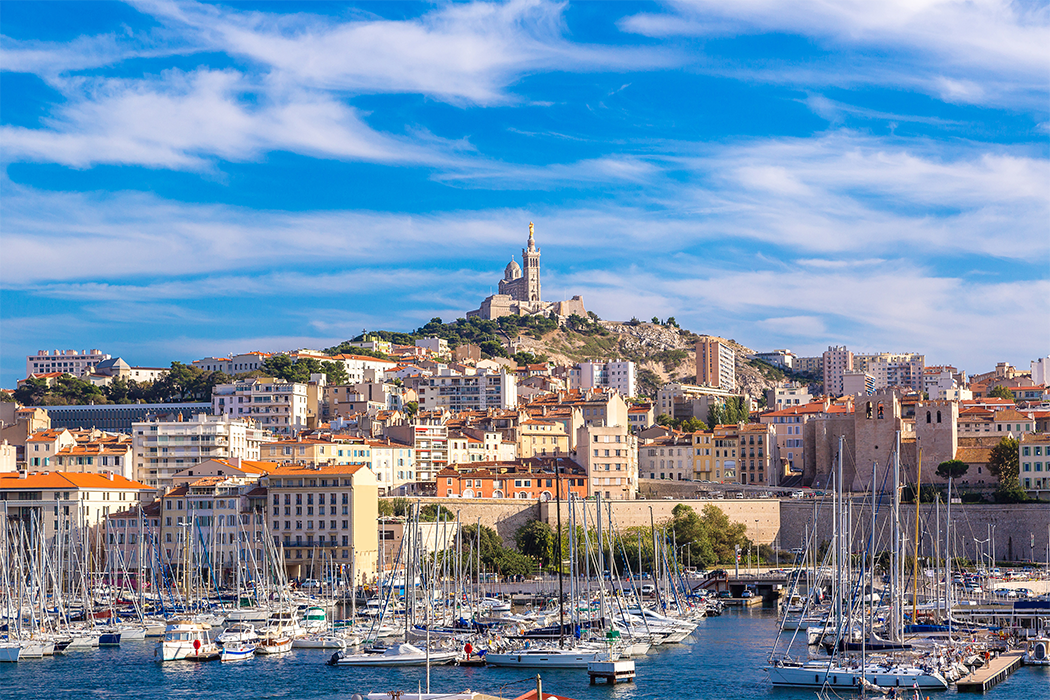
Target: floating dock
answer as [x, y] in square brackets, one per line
[611, 671]
[991, 674]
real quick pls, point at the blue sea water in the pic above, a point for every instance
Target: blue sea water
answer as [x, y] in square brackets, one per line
[722, 661]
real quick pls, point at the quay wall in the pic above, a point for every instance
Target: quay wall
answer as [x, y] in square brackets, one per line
[505, 516]
[1016, 526]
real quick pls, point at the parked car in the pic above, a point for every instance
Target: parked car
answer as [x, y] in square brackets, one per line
[648, 589]
[725, 594]
[747, 593]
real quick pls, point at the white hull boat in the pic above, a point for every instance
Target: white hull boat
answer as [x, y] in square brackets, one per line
[186, 640]
[10, 651]
[274, 645]
[401, 655]
[320, 641]
[817, 674]
[237, 651]
[549, 658]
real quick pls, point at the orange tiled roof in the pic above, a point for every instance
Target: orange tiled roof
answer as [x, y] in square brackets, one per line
[68, 480]
[303, 470]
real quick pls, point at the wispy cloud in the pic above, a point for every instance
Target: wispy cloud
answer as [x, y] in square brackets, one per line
[971, 52]
[463, 53]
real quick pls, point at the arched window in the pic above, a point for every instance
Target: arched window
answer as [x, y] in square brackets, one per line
[868, 411]
[880, 412]
[938, 416]
[545, 496]
[927, 416]
[497, 494]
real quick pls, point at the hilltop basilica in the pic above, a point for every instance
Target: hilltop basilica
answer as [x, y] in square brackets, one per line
[519, 291]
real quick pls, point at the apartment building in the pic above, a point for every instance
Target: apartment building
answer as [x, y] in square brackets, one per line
[274, 405]
[324, 515]
[207, 526]
[429, 443]
[790, 395]
[470, 392]
[78, 363]
[616, 375]
[536, 479]
[393, 464]
[858, 383]
[66, 502]
[1034, 460]
[542, 438]
[609, 455]
[837, 360]
[715, 364]
[162, 448]
[667, 457]
[758, 462]
[893, 369]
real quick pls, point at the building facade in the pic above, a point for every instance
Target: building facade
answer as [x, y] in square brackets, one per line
[77, 363]
[162, 448]
[715, 364]
[323, 516]
[274, 405]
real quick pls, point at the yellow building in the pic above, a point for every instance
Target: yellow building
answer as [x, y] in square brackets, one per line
[541, 438]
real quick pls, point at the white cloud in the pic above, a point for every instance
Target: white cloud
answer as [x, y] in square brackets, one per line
[962, 50]
[469, 52]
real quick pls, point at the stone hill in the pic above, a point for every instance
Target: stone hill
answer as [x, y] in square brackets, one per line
[664, 353]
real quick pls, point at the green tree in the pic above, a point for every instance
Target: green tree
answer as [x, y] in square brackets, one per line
[430, 513]
[1001, 392]
[692, 425]
[952, 468]
[664, 419]
[411, 408]
[31, 392]
[724, 535]
[1004, 462]
[7, 397]
[536, 539]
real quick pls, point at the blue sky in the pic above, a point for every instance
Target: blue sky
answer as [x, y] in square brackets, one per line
[184, 179]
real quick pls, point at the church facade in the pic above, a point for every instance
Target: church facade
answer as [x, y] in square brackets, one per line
[519, 290]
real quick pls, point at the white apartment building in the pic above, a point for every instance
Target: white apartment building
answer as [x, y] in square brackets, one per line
[610, 456]
[430, 445]
[393, 464]
[837, 361]
[77, 363]
[784, 396]
[361, 368]
[66, 502]
[274, 405]
[614, 374]
[163, 448]
[438, 346]
[469, 392]
[236, 364]
[893, 369]
[778, 358]
[1041, 371]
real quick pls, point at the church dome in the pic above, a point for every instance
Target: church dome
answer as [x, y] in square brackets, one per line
[513, 271]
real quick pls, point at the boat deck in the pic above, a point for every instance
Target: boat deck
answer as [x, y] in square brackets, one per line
[991, 674]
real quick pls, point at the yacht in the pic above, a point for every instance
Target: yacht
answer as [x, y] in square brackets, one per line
[10, 651]
[187, 640]
[401, 655]
[1037, 652]
[820, 673]
[549, 658]
[238, 632]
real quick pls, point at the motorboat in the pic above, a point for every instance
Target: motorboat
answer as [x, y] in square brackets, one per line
[314, 620]
[237, 651]
[401, 655]
[238, 632]
[274, 643]
[187, 640]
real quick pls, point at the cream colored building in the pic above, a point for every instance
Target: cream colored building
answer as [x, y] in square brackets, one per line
[541, 438]
[324, 515]
[610, 456]
[66, 502]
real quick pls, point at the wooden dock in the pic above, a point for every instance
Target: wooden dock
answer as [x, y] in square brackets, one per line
[612, 671]
[991, 674]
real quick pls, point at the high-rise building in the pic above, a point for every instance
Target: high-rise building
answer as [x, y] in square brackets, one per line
[837, 361]
[715, 364]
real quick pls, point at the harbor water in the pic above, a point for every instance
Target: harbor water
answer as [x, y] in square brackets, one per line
[723, 660]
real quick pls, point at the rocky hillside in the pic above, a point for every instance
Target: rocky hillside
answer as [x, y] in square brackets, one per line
[664, 353]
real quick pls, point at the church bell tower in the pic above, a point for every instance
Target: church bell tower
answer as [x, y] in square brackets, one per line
[531, 258]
